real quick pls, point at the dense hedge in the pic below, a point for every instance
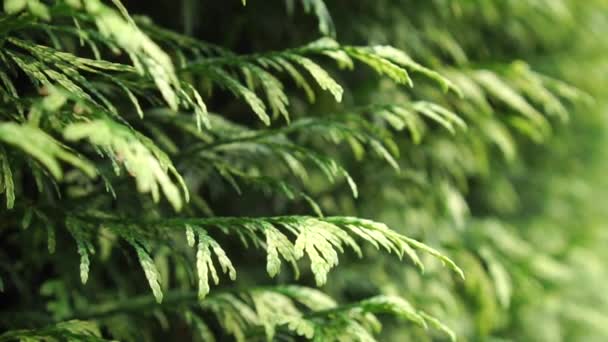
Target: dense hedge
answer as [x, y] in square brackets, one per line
[289, 170]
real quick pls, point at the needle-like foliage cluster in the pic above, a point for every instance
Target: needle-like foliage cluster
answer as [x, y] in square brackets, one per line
[314, 169]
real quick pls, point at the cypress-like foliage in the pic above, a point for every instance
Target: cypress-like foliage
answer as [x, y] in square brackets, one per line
[303, 170]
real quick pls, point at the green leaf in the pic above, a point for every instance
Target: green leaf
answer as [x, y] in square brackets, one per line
[326, 25]
[149, 165]
[501, 90]
[277, 243]
[39, 9]
[437, 324]
[43, 148]
[150, 270]
[381, 65]
[190, 236]
[396, 305]
[320, 75]
[84, 262]
[14, 6]
[400, 58]
[250, 97]
[7, 180]
[204, 263]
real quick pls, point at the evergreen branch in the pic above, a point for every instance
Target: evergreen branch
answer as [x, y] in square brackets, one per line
[384, 59]
[42, 147]
[68, 330]
[317, 319]
[319, 238]
[142, 159]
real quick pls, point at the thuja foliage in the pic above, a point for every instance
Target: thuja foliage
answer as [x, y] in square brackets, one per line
[302, 170]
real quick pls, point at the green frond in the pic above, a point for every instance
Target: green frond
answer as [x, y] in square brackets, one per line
[305, 311]
[326, 25]
[320, 239]
[400, 58]
[150, 167]
[8, 185]
[204, 264]
[320, 75]
[43, 148]
[73, 330]
[474, 130]
[381, 65]
[150, 270]
[256, 104]
[381, 59]
[501, 90]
